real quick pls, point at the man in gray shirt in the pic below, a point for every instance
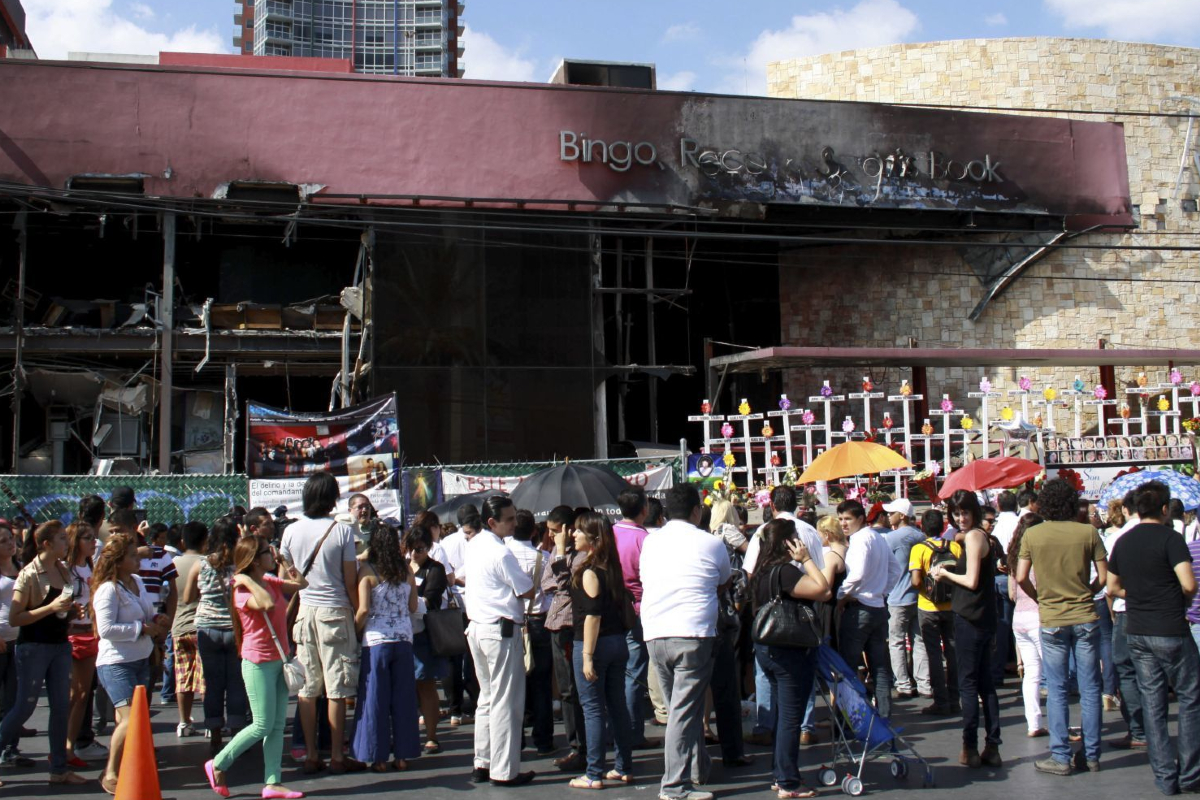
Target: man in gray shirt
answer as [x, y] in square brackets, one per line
[326, 642]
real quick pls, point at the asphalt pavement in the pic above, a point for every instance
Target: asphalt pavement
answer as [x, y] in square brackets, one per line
[447, 775]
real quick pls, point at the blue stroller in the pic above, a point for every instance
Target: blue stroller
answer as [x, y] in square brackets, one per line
[859, 734]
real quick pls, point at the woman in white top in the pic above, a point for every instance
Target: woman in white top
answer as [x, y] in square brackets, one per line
[85, 645]
[128, 628]
[387, 690]
[8, 634]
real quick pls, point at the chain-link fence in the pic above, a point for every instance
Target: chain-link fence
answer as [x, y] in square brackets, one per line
[166, 498]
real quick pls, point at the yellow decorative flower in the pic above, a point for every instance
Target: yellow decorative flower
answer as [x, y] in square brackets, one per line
[718, 485]
[729, 459]
[1006, 414]
[768, 431]
[967, 423]
[905, 389]
[1050, 393]
[1164, 404]
[744, 408]
[1141, 379]
[927, 429]
[708, 500]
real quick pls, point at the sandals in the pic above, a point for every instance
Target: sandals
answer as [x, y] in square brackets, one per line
[109, 784]
[793, 794]
[613, 775]
[433, 747]
[584, 782]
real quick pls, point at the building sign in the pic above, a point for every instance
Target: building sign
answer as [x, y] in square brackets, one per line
[561, 144]
[359, 445]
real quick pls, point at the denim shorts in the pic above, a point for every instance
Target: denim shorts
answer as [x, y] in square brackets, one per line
[119, 680]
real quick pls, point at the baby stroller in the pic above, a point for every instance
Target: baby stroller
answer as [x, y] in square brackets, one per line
[859, 733]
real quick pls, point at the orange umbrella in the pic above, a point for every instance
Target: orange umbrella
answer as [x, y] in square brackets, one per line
[853, 458]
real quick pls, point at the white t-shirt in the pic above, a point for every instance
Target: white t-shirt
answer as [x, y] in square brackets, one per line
[871, 570]
[1005, 527]
[1109, 543]
[454, 550]
[526, 555]
[496, 579]
[805, 532]
[682, 566]
[326, 583]
[7, 632]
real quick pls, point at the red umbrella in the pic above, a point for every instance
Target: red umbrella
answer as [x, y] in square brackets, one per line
[1001, 472]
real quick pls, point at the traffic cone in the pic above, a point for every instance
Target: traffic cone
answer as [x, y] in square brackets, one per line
[138, 778]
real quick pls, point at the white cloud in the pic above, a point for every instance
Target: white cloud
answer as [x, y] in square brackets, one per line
[142, 11]
[57, 27]
[681, 32]
[1131, 19]
[486, 59]
[682, 81]
[870, 23]
[995, 20]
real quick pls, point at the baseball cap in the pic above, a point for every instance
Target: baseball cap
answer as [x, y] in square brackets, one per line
[122, 497]
[899, 506]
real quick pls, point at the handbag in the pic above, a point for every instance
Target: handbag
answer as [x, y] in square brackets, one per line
[785, 621]
[293, 671]
[293, 606]
[447, 633]
[525, 640]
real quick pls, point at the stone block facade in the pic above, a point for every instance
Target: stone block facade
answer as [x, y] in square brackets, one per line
[895, 295]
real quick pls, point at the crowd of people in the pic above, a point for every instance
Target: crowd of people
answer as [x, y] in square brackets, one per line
[650, 618]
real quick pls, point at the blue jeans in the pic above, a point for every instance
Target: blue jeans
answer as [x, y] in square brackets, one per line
[865, 629]
[607, 692]
[1131, 695]
[224, 687]
[37, 664]
[168, 671]
[386, 724]
[637, 671]
[1057, 645]
[790, 672]
[1004, 615]
[1108, 672]
[764, 720]
[976, 685]
[1196, 633]
[120, 680]
[1161, 661]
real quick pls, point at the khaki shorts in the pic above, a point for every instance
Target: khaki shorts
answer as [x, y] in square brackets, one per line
[328, 648]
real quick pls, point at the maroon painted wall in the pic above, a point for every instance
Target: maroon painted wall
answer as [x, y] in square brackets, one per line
[368, 135]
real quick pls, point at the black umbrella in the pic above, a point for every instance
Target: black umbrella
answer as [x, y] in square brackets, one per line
[447, 512]
[571, 485]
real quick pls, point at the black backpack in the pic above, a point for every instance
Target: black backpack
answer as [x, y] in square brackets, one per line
[939, 592]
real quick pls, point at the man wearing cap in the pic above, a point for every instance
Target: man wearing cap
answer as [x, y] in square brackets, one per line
[902, 605]
[122, 499]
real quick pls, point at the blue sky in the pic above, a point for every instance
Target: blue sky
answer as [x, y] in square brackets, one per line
[700, 45]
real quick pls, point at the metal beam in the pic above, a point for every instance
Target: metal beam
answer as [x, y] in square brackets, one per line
[792, 357]
[19, 339]
[228, 345]
[166, 363]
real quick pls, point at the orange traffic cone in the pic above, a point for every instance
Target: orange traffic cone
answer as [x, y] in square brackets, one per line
[138, 778]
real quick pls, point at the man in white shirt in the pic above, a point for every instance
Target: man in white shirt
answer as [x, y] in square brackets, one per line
[462, 671]
[1006, 520]
[783, 506]
[496, 608]
[1122, 658]
[871, 572]
[535, 563]
[682, 570]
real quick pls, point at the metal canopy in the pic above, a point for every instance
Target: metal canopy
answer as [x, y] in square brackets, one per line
[776, 358]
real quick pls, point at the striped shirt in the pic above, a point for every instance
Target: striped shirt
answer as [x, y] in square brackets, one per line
[155, 570]
[1193, 612]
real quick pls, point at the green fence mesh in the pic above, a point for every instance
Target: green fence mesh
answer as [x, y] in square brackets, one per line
[166, 498]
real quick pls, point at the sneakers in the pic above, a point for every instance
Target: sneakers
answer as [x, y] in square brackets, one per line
[991, 756]
[13, 758]
[1052, 767]
[184, 729]
[1111, 703]
[455, 721]
[1081, 763]
[93, 752]
[969, 757]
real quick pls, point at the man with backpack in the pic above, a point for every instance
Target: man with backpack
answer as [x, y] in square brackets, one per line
[934, 615]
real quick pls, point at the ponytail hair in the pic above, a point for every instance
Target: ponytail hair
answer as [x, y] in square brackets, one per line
[36, 540]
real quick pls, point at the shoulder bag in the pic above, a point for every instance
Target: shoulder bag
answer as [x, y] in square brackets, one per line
[293, 606]
[293, 671]
[785, 621]
[447, 633]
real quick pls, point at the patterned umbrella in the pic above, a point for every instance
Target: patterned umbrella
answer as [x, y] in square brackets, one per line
[1182, 487]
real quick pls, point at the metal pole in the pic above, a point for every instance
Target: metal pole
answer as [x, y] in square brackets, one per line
[652, 353]
[167, 370]
[600, 398]
[18, 368]
[623, 381]
[231, 415]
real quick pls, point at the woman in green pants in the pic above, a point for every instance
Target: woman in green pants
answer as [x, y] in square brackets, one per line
[260, 602]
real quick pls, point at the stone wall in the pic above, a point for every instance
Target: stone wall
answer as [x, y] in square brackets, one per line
[887, 295]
